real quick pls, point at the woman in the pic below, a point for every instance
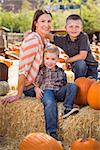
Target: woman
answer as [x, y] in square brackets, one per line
[31, 55]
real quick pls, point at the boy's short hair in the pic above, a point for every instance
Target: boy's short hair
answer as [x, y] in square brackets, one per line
[51, 49]
[74, 17]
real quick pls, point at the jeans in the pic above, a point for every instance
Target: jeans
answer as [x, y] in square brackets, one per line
[50, 98]
[82, 69]
[30, 92]
[92, 71]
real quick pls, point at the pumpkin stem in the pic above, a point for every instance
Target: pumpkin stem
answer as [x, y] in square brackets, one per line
[83, 139]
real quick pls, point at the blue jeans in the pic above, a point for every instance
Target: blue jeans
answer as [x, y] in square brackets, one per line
[50, 98]
[82, 69]
[30, 92]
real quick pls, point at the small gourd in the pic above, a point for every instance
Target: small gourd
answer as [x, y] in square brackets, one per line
[61, 60]
[4, 88]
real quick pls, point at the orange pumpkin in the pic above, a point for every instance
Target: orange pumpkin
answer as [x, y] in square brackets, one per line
[88, 144]
[39, 141]
[93, 96]
[15, 48]
[7, 62]
[61, 60]
[84, 84]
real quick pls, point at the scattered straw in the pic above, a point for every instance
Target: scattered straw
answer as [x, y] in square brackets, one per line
[82, 125]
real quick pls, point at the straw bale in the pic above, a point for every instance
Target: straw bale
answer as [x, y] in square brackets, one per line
[2, 120]
[23, 116]
[26, 116]
[82, 125]
[9, 144]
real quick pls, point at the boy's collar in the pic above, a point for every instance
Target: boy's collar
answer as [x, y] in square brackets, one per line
[56, 67]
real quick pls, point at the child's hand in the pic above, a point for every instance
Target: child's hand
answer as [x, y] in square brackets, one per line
[68, 66]
[39, 92]
[67, 60]
[9, 99]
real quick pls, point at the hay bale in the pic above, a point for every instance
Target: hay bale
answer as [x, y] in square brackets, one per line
[82, 125]
[9, 144]
[2, 120]
[26, 116]
[23, 117]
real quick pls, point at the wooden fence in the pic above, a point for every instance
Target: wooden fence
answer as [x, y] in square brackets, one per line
[11, 37]
[19, 36]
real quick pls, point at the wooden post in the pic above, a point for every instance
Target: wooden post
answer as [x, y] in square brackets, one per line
[3, 72]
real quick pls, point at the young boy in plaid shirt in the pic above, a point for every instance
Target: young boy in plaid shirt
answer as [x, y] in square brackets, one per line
[52, 87]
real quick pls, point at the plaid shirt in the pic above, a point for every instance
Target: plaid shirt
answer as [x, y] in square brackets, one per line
[31, 55]
[51, 79]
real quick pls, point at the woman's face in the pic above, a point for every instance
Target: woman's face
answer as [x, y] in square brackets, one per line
[43, 24]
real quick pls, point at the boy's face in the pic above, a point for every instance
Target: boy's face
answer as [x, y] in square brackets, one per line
[50, 60]
[73, 28]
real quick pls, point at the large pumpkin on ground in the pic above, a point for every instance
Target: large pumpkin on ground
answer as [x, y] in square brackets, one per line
[84, 84]
[39, 141]
[93, 96]
[88, 144]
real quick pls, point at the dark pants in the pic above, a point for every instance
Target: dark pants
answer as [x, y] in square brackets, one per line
[83, 69]
[30, 92]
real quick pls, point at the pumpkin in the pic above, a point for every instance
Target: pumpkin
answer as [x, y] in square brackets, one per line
[16, 48]
[93, 96]
[61, 60]
[84, 84]
[39, 141]
[4, 88]
[88, 144]
[6, 61]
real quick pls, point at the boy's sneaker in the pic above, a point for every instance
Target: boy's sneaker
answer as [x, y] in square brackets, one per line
[55, 136]
[68, 112]
[76, 106]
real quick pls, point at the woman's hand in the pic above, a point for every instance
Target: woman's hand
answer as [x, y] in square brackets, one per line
[9, 99]
[39, 92]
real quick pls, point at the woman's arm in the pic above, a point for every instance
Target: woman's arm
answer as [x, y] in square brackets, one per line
[10, 99]
[21, 83]
[25, 65]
